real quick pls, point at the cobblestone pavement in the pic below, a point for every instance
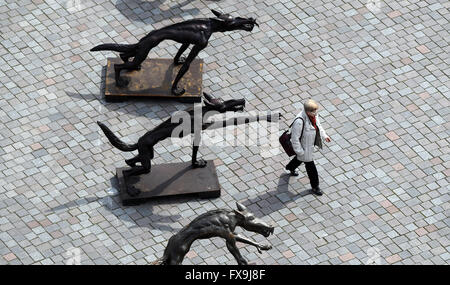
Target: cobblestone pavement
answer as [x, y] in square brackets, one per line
[379, 70]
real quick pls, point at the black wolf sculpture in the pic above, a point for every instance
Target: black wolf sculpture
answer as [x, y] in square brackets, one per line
[217, 223]
[191, 32]
[166, 129]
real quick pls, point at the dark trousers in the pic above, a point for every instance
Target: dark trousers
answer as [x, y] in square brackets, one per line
[310, 169]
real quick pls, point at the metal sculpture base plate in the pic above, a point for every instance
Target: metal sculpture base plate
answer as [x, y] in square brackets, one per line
[172, 179]
[154, 80]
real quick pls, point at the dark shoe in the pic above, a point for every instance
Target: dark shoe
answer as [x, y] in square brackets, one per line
[292, 172]
[199, 163]
[317, 191]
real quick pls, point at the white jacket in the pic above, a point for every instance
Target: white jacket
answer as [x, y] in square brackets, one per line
[305, 148]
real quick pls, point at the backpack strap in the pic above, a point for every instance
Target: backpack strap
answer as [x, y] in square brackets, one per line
[294, 121]
[301, 134]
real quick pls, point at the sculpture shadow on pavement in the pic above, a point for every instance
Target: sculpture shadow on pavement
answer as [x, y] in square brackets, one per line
[150, 216]
[141, 10]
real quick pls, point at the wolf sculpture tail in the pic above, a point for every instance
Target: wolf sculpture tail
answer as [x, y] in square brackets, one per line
[115, 141]
[115, 47]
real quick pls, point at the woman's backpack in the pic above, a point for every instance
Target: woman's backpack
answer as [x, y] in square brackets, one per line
[285, 139]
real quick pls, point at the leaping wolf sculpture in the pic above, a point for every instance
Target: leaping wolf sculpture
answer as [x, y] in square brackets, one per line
[166, 129]
[217, 223]
[194, 32]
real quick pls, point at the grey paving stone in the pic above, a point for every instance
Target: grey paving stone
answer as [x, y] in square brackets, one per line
[379, 75]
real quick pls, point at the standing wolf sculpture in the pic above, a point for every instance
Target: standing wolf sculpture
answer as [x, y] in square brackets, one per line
[217, 223]
[167, 129]
[194, 32]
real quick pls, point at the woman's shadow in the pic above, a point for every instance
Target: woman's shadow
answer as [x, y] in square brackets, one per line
[141, 10]
[281, 195]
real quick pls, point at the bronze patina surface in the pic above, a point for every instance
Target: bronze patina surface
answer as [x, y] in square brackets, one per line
[170, 180]
[219, 223]
[155, 79]
[195, 32]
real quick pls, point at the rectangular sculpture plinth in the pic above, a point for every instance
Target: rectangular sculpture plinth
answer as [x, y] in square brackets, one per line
[154, 80]
[170, 180]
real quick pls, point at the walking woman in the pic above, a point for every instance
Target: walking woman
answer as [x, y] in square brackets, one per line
[307, 133]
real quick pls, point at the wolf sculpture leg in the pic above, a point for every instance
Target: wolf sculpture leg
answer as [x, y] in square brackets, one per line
[231, 245]
[197, 163]
[139, 57]
[194, 52]
[145, 155]
[129, 65]
[132, 161]
[178, 59]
